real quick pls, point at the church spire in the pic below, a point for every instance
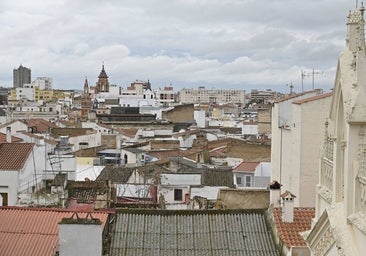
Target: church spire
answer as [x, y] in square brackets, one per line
[103, 74]
[356, 30]
[86, 86]
[103, 83]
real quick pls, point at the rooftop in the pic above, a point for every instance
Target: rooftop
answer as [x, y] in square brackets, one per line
[13, 139]
[40, 125]
[246, 167]
[184, 232]
[290, 232]
[34, 231]
[316, 97]
[13, 156]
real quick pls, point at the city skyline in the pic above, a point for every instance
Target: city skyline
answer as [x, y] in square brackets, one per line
[218, 44]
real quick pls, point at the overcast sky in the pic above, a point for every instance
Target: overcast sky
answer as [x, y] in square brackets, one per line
[236, 44]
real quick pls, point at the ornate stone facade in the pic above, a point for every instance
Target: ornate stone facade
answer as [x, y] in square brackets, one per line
[103, 83]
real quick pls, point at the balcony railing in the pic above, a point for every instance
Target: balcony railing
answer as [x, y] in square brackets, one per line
[327, 173]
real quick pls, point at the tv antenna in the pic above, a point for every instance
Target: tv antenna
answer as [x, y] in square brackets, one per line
[291, 86]
[303, 74]
[313, 75]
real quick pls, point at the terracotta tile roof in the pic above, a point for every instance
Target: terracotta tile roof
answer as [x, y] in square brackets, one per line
[14, 155]
[297, 95]
[34, 231]
[219, 152]
[163, 154]
[290, 232]
[131, 132]
[86, 191]
[246, 167]
[10, 123]
[40, 125]
[116, 174]
[39, 137]
[317, 97]
[287, 193]
[75, 206]
[13, 139]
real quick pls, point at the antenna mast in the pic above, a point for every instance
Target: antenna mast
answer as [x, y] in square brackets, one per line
[315, 73]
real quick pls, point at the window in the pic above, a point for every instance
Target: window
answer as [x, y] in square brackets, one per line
[178, 195]
[83, 145]
[4, 199]
[238, 180]
[248, 180]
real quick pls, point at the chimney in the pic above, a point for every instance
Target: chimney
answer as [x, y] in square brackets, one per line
[288, 206]
[275, 193]
[8, 134]
[80, 236]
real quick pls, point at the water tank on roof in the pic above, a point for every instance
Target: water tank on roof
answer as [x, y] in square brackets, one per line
[64, 140]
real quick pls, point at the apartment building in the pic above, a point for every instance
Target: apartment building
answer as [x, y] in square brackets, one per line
[202, 95]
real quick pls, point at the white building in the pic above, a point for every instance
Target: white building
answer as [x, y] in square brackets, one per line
[252, 174]
[201, 95]
[176, 187]
[200, 118]
[165, 96]
[147, 98]
[44, 83]
[249, 128]
[297, 133]
[25, 92]
[340, 227]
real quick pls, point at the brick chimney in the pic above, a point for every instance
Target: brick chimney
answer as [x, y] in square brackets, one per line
[80, 236]
[8, 134]
[275, 193]
[288, 206]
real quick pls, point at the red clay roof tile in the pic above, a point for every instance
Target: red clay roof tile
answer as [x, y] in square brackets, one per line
[13, 139]
[290, 232]
[40, 125]
[246, 167]
[34, 231]
[14, 155]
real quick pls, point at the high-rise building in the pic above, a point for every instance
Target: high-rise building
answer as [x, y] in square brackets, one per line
[21, 75]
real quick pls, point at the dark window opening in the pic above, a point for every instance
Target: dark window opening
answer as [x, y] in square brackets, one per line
[178, 194]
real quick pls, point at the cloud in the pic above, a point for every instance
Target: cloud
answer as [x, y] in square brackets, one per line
[223, 43]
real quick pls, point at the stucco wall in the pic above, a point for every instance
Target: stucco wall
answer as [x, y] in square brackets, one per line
[181, 113]
[264, 121]
[244, 198]
[296, 146]
[9, 184]
[313, 117]
[80, 239]
[164, 144]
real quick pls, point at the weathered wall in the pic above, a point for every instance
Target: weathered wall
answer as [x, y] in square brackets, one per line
[180, 114]
[110, 140]
[264, 120]
[164, 144]
[70, 131]
[243, 198]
